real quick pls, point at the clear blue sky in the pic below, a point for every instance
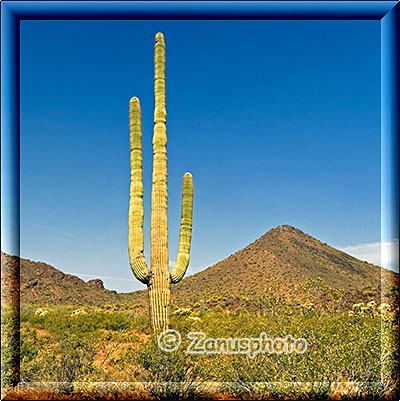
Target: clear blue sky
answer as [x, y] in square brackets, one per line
[278, 121]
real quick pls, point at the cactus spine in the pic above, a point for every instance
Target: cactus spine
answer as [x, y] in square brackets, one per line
[159, 278]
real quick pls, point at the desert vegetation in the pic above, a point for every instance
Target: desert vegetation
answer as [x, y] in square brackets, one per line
[350, 353]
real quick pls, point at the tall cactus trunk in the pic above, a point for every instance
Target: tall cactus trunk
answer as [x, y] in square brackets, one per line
[159, 285]
[159, 278]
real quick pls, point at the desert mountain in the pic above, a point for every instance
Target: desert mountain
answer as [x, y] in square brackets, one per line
[43, 284]
[287, 264]
[284, 265]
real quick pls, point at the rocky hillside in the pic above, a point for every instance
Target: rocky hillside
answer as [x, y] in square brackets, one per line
[43, 284]
[287, 264]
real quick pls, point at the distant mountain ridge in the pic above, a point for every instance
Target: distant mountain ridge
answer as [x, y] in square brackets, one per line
[43, 284]
[284, 264]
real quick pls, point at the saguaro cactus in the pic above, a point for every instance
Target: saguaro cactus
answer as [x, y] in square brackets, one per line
[158, 278]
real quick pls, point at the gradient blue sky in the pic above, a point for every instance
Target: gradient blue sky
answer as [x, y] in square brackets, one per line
[278, 121]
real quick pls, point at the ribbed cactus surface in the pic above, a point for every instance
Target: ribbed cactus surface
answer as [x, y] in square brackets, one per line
[159, 278]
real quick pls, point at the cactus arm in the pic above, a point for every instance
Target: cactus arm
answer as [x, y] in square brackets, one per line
[159, 195]
[135, 236]
[182, 261]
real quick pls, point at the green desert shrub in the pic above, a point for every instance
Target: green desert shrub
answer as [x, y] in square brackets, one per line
[369, 293]
[168, 375]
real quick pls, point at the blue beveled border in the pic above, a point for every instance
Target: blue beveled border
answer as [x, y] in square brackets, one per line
[390, 126]
[14, 11]
[200, 9]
